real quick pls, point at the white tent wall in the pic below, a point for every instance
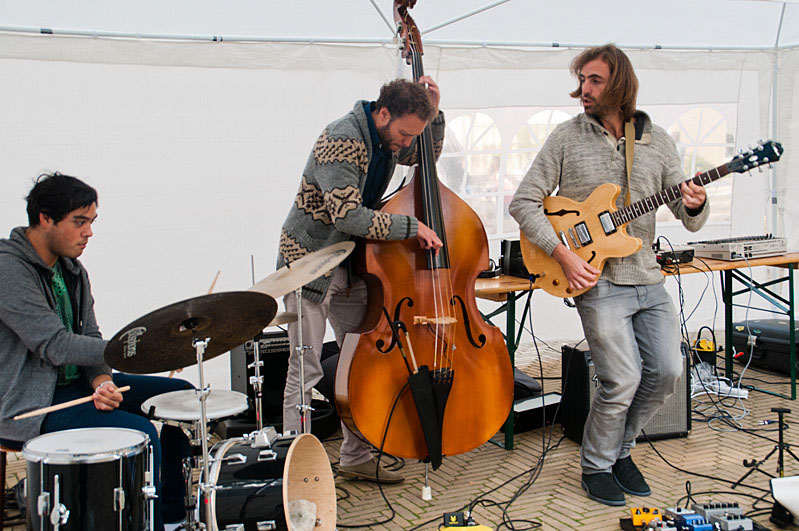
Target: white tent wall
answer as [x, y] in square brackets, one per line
[196, 148]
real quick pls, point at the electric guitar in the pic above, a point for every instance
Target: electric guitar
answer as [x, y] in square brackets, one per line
[595, 229]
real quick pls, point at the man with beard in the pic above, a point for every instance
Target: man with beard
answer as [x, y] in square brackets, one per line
[345, 178]
[628, 318]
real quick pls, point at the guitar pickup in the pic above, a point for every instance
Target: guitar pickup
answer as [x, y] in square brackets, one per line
[607, 223]
[583, 234]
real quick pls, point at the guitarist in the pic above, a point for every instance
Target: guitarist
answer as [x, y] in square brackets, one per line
[628, 317]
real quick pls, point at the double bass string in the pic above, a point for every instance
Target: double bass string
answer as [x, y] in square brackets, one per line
[443, 312]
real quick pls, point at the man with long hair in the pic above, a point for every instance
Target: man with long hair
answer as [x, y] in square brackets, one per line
[344, 180]
[628, 317]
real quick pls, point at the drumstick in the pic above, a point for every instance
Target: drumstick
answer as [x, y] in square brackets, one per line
[50, 409]
[210, 290]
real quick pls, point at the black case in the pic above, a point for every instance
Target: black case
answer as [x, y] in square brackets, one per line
[772, 345]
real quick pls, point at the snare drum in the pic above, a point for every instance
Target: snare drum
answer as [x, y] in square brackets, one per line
[251, 486]
[182, 408]
[89, 478]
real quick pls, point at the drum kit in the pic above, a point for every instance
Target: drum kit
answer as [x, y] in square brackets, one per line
[263, 480]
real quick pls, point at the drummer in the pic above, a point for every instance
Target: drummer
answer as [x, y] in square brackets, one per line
[344, 180]
[51, 350]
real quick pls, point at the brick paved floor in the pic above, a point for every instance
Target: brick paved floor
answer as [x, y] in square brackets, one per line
[551, 494]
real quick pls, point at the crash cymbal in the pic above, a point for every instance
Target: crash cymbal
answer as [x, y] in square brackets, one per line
[283, 318]
[162, 340]
[302, 271]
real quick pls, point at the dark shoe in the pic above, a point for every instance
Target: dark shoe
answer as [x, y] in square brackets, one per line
[629, 478]
[601, 487]
[366, 471]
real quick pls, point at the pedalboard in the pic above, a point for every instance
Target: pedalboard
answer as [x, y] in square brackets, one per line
[700, 517]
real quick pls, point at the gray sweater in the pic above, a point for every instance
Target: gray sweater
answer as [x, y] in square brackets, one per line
[579, 156]
[33, 340]
[329, 207]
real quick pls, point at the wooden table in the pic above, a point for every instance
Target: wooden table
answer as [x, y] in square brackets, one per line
[505, 288]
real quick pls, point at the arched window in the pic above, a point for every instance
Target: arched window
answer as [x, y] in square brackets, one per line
[470, 164]
[703, 144]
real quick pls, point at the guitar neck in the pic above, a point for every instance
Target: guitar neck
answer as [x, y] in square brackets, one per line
[648, 204]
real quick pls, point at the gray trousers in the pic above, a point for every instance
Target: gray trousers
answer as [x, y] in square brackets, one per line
[344, 307]
[634, 337]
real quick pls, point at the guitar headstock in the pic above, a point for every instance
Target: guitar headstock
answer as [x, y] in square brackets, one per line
[764, 153]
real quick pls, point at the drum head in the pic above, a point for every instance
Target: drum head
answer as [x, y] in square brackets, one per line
[308, 476]
[185, 405]
[85, 445]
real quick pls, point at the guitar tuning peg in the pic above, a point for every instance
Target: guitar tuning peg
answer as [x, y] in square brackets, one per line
[765, 160]
[760, 142]
[740, 150]
[760, 147]
[745, 167]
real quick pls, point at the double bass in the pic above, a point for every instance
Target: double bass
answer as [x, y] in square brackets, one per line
[422, 313]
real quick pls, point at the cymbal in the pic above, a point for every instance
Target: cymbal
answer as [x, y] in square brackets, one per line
[304, 270]
[162, 340]
[283, 318]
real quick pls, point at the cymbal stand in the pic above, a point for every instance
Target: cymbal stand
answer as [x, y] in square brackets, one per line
[202, 394]
[257, 382]
[303, 407]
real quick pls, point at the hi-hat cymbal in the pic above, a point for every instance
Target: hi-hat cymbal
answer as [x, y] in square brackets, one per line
[163, 340]
[304, 270]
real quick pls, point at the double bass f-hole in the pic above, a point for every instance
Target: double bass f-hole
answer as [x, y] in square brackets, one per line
[380, 344]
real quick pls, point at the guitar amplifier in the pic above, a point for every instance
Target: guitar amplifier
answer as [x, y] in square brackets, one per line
[273, 351]
[511, 261]
[579, 384]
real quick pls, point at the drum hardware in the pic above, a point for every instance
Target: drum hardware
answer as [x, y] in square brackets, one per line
[257, 381]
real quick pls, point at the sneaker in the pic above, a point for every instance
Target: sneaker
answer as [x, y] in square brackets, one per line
[629, 478]
[366, 471]
[601, 487]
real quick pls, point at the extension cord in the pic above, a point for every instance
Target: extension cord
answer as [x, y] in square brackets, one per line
[724, 390]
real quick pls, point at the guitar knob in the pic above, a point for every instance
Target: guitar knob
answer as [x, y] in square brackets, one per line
[569, 291]
[556, 282]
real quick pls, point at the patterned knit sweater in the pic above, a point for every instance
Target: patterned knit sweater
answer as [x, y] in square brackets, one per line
[329, 208]
[579, 156]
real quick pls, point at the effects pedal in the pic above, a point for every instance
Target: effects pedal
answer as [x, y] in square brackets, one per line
[453, 521]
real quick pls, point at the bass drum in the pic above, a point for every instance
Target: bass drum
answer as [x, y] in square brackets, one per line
[89, 478]
[252, 487]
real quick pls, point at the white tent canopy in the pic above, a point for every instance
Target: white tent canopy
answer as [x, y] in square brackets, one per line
[196, 145]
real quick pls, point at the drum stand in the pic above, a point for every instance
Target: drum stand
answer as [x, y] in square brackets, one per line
[202, 393]
[303, 407]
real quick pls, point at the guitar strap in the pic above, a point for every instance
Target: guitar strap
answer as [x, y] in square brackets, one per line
[629, 143]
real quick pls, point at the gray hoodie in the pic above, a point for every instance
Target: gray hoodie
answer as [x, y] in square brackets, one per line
[33, 340]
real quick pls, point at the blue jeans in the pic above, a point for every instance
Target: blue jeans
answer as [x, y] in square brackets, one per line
[168, 451]
[634, 337]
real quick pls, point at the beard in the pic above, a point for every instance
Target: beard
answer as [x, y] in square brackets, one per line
[384, 133]
[598, 108]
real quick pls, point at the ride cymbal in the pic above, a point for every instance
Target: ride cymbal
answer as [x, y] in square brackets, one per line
[162, 340]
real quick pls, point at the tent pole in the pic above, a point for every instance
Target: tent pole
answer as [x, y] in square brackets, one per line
[775, 94]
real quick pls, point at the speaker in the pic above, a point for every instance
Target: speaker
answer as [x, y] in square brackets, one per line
[273, 351]
[579, 385]
[511, 261]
